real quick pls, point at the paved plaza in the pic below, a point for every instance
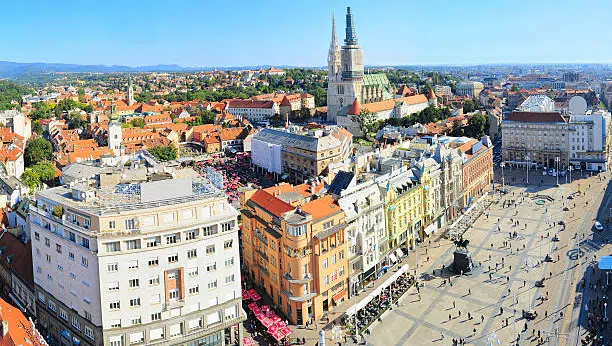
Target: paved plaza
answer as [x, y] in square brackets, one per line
[504, 283]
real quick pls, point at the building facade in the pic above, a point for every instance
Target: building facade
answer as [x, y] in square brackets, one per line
[254, 111]
[122, 262]
[588, 140]
[477, 168]
[295, 251]
[535, 137]
[469, 88]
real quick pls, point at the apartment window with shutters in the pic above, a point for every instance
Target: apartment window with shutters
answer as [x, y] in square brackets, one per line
[154, 280]
[227, 226]
[153, 242]
[133, 264]
[71, 255]
[210, 249]
[229, 279]
[211, 267]
[113, 286]
[192, 272]
[133, 244]
[63, 314]
[209, 230]
[115, 323]
[115, 305]
[89, 333]
[173, 258]
[130, 224]
[194, 290]
[76, 323]
[136, 320]
[228, 244]
[112, 267]
[58, 248]
[111, 224]
[134, 283]
[135, 302]
[172, 238]
[193, 253]
[84, 262]
[212, 285]
[173, 293]
[229, 262]
[113, 246]
[87, 315]
[191, 235]
[153, 262]
[156, 316]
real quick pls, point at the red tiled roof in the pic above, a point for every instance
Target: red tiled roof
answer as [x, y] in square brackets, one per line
[270, 203]
[537, 117]
[20, 330]
[321, 207]
[355, 108]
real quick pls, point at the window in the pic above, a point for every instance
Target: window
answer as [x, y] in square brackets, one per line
[209, 230]
[153, 261]
[134, 283]
[133, 264]
[194, 290]
[112, 224]
[190, 235]
[176, 330]
[193, 253]
[192, 272]
[130, 224]
[85, 243]
[52, 306]
[76, 323]
[229, 262]
[115, 324]
[210, 249]
[112, 267]
[113, 286]
[136, 338]
[136, 320]
[71, 255]
[212, 285]
[153, 242]
[135, 302]
[133, 244]
[115, 305]
[89, 333]
[156, 316]
[84, 262]
[155, 298]
[328, 224]
[113, 246]
[326, 280]
[341, 272]
[211, 267]
[173, 258]
[228, 244]
[58, 248]
[197, 323]
[229, 279]
[47, 242]
[36, 236]
[60, 268]
[154, 280]
[325, 263]
[87, 316]
[173, 275]
[227, 226]
[63, 315]
[49, 277]
[297, 231]
[173, 293]
[172, 238]
[333, 259]
[156, 334]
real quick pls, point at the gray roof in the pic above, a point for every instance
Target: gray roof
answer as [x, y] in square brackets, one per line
[304, 142]
[341, 181]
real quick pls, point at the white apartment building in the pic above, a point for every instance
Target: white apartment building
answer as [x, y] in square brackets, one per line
[367, 236]
[537, 103]
[443, 90]
[254, 111]
[587, 140]
[129, 262]
[17, 122]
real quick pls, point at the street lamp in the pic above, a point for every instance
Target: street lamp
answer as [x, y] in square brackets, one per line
[571, 168]
[528, 162]
[557, 160]
[502, 167]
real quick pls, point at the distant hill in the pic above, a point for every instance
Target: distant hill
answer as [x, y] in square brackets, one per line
[15, 69]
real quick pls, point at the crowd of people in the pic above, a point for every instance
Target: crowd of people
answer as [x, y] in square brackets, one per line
[365, 316]
[596, 322]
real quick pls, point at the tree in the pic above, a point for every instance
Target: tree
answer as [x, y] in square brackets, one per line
[514, 87]
[457, 130]
[30, 179]
[476, 126]
[38, 149]
[75, 121]
[45, 170]
[366, 122]
[468, 106]
[164, 153]
[37, 127]
[137, 122]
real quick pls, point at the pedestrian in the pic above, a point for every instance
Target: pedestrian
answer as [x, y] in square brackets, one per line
[449, 317]
[453, 304]
[469, 291]
[481, 318]
[441, 336]
[469, 316]
[524, 283]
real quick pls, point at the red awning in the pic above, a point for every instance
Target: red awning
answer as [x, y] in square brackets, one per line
[339, 296]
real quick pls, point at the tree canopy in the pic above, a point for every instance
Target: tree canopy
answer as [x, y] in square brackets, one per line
[10, 91]
[164, 153]
[366, 121]
[37, 150]
[33, 176]
[476, 127]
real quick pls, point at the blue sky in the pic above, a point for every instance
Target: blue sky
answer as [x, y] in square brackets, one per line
[261, 32]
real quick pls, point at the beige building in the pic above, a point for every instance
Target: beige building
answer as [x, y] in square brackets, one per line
[537, 137]
[469, 88]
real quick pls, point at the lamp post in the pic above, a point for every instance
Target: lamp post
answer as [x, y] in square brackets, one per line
[528, 162]
[571, 168]
[557, 161]
[503, 180]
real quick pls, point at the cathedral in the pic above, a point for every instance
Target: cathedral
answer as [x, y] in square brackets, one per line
[346, 78]
[350, 90]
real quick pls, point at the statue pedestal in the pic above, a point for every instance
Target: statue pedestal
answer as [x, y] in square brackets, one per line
[462, 261]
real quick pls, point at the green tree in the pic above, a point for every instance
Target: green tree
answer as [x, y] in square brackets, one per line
[75, 121]
[514, 87]
[457, 130]
[476, 126]
[164, 153]
[137, 122]
[11, 92]
[366, 121]
[144, 97]
[37, 127]
[468, 106]
[45, 170]
[37, 150]
[30, 179]
[42, 110]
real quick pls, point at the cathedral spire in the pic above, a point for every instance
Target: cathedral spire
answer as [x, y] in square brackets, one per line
[334, 49]
[351, 37]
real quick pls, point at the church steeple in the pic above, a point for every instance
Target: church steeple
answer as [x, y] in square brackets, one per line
[351, 37]
[333, 57]
[130, 92]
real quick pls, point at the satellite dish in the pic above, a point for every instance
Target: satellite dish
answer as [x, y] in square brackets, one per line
[577, 105]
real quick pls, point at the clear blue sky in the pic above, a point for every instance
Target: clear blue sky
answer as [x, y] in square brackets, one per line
[238, 33]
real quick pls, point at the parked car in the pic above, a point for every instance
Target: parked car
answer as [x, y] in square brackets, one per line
[598, 226]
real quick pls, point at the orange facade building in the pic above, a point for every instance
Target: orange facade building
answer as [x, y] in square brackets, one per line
[294, 248]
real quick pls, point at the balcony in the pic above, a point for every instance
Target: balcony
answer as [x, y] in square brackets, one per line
[306, 278]
[173, 304]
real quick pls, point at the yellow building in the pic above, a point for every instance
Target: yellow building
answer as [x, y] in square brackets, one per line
[294, 248]
[403, 208]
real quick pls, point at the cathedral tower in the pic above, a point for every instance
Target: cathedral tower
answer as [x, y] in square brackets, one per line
[115, 134]
[344, 83]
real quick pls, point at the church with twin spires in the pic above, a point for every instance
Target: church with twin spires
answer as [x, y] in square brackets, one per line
[350, 90]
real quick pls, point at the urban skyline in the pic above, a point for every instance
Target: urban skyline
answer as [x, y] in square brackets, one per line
[526, 33]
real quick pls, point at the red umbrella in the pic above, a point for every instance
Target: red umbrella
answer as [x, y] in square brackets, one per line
[270, 313]
[257, 311]
[261, 318]
[255, 297]
[247, 342]
[275, 319]
[252, 306]
[286, 331]
[265, 308]
[245, 295]
[281, 324]
[266, 322]
[278, 336]
[272, 329]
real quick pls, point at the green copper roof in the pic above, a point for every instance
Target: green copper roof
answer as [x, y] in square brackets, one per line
[379, 80]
